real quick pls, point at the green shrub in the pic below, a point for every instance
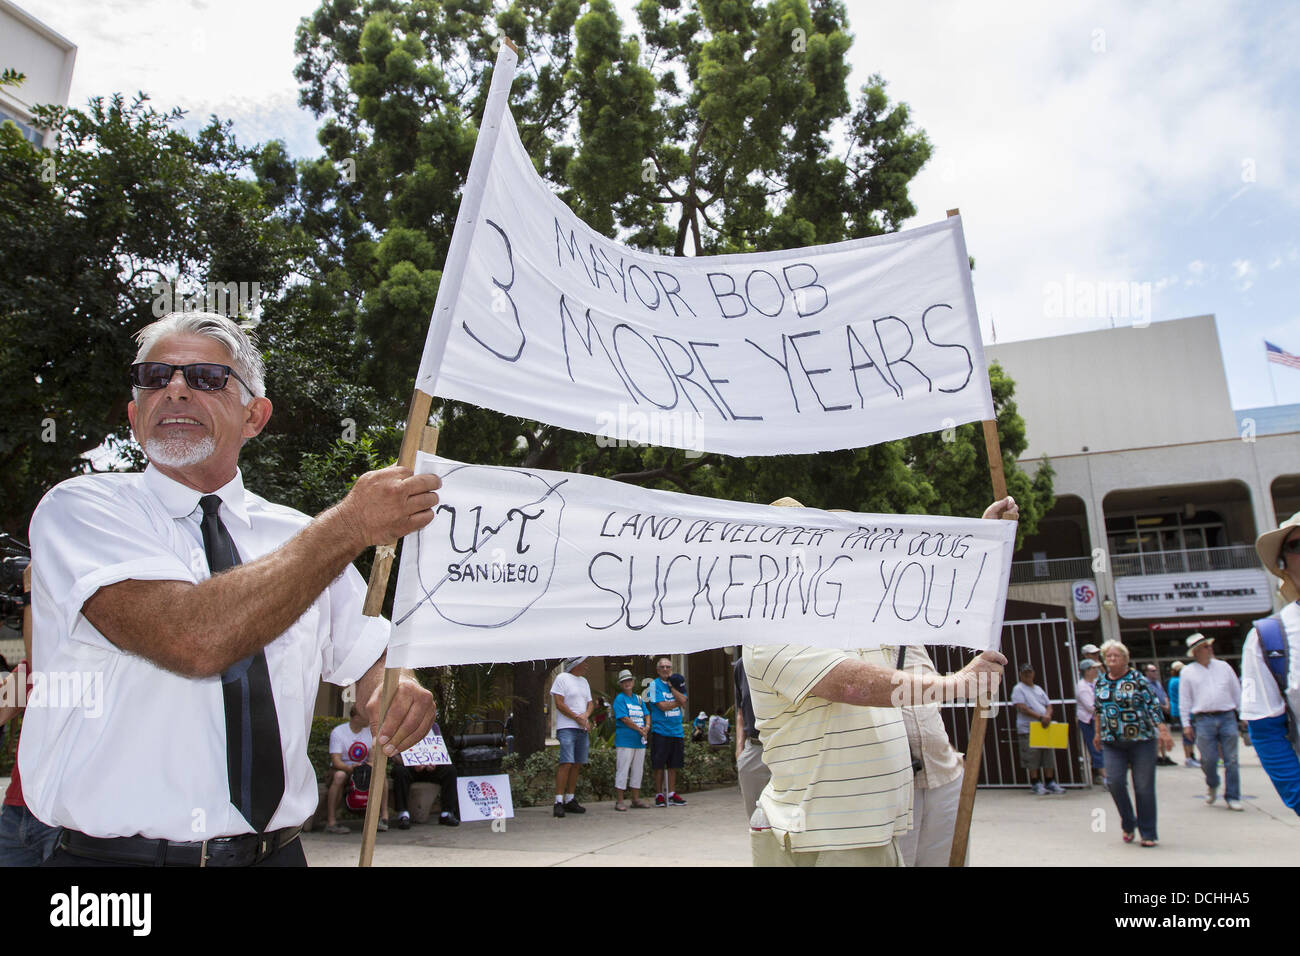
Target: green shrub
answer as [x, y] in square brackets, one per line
[532, 781]
[318, 745]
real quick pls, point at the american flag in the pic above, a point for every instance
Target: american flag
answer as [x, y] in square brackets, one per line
[1275, 354]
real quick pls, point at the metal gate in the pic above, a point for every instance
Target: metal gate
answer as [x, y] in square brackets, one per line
[1048, 644]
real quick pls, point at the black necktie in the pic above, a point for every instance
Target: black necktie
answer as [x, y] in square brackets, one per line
[254, 763]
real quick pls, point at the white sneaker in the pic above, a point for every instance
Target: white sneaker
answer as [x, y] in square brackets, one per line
[1038, 790]
[1053, 787]
[1233, 805]
[1211, 794]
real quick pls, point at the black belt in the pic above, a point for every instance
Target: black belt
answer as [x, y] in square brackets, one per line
[1212, 713]
[244, 850]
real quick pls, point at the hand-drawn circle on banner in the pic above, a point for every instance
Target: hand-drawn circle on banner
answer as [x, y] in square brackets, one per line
[474, 588]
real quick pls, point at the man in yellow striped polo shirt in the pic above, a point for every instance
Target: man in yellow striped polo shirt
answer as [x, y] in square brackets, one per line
[834, 739]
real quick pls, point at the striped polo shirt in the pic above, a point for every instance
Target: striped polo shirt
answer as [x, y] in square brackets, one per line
[841, 774]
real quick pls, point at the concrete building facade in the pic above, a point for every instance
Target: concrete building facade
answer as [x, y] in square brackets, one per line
[1160, 487]
[44, 58]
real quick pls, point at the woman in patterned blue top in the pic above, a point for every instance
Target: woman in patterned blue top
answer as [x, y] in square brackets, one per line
[1128, 720]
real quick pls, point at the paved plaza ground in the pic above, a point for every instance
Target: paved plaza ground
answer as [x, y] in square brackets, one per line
[1011, 828]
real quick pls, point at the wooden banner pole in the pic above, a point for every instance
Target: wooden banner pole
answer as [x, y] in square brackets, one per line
[419, 436]
[418, 433]
[979, 725]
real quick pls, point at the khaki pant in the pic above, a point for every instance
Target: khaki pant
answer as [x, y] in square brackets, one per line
[934, 817]
[769, 849]
[753, 774]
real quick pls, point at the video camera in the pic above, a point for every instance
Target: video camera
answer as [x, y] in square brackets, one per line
[14, 558]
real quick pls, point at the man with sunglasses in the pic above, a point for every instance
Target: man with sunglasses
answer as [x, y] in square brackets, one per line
[1270, 699]
[210, 616]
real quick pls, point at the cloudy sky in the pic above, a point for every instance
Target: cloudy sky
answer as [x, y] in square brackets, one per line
[1091, 147]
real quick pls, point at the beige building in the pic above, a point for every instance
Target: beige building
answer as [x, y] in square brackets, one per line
[44, 57]
[1160, 487]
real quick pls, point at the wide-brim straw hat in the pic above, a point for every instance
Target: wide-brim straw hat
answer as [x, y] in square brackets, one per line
[1195, 640]
[786, 503]
[1269, 548]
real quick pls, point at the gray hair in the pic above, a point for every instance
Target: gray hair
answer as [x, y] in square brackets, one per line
[1118, 646]
[245, 358]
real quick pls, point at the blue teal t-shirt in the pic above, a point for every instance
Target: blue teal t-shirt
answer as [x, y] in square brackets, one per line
[665, 723]
[628, 705]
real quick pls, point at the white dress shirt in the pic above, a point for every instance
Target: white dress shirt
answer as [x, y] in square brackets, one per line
[1206, 689]
[1259, 694]
[126, 747]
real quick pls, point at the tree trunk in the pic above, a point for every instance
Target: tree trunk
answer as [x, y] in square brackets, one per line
[529, 692]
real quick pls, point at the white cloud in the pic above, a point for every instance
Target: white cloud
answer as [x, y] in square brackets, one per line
[1243, 274]
[1069, 161]
[234, 59]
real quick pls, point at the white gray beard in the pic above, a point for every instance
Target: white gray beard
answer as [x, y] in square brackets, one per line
[179, 452]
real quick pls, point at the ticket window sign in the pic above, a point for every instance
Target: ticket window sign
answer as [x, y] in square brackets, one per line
[1083, 595]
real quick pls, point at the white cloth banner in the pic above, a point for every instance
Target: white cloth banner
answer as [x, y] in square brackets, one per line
[805, 350]
[521, 564]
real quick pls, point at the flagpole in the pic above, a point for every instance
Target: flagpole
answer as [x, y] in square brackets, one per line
[1271, 380]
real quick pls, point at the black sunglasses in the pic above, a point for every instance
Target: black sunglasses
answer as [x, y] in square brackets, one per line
[1292, 546]
[200, 376]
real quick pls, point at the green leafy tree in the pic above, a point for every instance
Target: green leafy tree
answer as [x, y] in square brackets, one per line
[716, 126]
[123, 201]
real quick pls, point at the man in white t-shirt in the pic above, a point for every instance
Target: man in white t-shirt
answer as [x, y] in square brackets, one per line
[573, 703]
[350, 745]
[212, 615]
[718, 726]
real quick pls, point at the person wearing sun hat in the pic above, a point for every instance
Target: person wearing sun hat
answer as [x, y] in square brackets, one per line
[631, 730]
[1270, 711]
[1210, 699]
